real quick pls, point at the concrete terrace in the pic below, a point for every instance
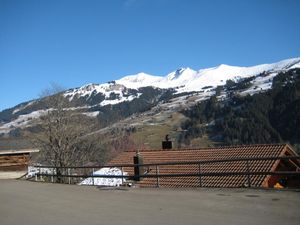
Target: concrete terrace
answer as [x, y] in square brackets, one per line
[24, 202]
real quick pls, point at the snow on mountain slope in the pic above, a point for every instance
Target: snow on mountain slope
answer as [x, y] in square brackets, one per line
[113, 93]
[23, 106]
[139, 80]
[127, 89]
[187, 80]
[183, 80]
[21, 121]
[90, 89]
[296, 65]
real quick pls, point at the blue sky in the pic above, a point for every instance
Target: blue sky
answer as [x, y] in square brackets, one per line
[75, 42]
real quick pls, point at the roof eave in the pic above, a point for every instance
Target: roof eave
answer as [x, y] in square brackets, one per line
[21, 151]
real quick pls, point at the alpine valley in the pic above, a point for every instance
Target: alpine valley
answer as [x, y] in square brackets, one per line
[215, 106]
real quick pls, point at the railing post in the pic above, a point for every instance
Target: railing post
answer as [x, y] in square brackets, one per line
[248, 174]
[200, 178]
[93, 171]
[40, 173]
[122, 173]
[69, 173]
[138, 169]
[157, 178]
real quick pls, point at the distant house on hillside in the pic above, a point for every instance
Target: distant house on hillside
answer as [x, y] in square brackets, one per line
[215, 154]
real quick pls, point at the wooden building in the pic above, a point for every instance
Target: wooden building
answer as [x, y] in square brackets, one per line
[14, 163]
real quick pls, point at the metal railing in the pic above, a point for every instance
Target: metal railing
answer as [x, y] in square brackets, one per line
[75, 174]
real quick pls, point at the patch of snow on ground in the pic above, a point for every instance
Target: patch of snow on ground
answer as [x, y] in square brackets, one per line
[92, 114]
[105, 181]
[32, 171]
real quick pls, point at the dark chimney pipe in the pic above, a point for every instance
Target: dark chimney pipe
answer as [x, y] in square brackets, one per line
[167, 144]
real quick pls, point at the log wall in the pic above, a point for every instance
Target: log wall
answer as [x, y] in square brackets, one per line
[14, 162]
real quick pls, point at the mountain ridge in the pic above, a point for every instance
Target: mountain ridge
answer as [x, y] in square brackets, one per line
[143, 97]
[188, 80]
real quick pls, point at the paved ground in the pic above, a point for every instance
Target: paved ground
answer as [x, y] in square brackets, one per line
[29, 203]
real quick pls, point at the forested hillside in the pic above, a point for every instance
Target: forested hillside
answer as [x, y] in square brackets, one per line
[268, 117]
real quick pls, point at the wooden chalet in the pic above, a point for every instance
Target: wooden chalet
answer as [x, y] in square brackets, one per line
[14, 163]
[218, 153]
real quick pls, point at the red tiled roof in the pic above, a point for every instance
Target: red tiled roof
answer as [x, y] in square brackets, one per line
[207, 154]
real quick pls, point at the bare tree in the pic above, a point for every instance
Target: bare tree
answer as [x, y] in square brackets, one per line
[63, 133]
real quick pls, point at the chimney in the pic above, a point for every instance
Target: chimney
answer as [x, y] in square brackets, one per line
[167, 144]
[138, 170]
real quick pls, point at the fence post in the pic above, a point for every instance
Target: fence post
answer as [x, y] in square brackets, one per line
[122, 173]
[93, 171]
[69, 173]
[40, 173]
[248, 174]
[200, 178]
[157, 178]
[138, 169]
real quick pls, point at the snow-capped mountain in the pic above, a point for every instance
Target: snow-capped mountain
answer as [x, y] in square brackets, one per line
[187, 80]
[183, 79]
[141, 92]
